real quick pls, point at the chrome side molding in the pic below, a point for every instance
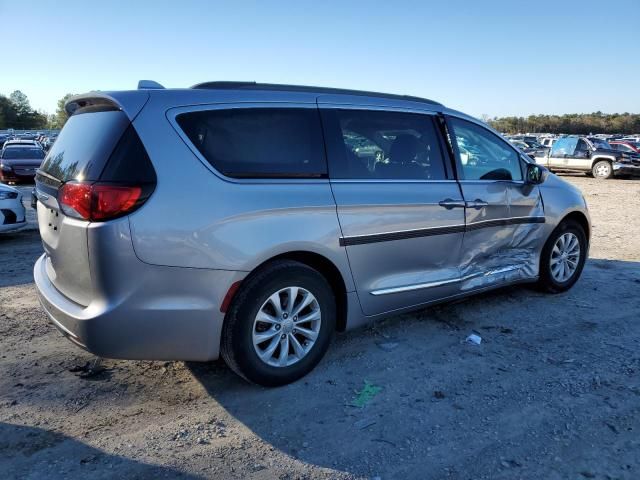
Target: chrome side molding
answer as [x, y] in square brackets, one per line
[440, 283]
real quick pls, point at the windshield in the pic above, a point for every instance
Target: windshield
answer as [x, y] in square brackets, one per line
[21, 153]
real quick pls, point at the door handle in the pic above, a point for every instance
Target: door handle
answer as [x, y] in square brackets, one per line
[477, 204]
[449, 203]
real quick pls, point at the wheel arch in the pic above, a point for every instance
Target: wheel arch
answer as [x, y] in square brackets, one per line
[326, 268]
[581, 219]
[601, 158]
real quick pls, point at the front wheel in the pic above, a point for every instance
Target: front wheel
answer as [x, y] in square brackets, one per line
[280, 324]
[602, 169]
[563, 257]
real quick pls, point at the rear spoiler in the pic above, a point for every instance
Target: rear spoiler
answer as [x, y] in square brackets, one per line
[130, 102]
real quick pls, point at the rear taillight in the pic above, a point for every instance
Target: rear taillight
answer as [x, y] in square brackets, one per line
[98, 202]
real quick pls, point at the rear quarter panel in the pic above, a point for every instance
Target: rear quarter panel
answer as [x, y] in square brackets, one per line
[197, 218]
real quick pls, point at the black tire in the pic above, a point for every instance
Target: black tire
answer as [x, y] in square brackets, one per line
[546, 281]
[237, 345]
[602, 166]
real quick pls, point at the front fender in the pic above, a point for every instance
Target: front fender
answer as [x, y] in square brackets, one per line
[561, 199]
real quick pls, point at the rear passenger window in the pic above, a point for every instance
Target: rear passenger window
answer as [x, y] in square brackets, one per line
[369, 144]
[259, 142]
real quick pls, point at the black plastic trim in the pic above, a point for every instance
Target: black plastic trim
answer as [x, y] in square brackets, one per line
[9, 217]
[223, 85]
[427, 232]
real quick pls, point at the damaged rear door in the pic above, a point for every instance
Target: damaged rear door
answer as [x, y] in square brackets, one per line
[503, 214]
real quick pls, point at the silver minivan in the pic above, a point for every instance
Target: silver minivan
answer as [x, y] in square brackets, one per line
[254, 220]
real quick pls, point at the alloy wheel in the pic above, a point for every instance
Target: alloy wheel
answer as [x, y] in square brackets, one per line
[286, 326]
[565, 257]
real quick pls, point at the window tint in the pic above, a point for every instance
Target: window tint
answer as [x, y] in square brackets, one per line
[259, 142]
[483, 155]
[84, 145]
[366, 144]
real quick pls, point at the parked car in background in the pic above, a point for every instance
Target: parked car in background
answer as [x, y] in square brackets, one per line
[12, 211]
[590, 155]
[629, 147]
[18, 163]
[525, 138]
[548, 142]
[21, 143]
[526, 148]
[428, 204]
[634, 139]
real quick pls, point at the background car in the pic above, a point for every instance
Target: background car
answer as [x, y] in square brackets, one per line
[12, 212]
[19, 163]
[625, 146]
[590, 155]
[548, 142]
[21, 142]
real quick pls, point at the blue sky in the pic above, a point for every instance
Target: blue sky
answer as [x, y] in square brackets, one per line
[482, 57]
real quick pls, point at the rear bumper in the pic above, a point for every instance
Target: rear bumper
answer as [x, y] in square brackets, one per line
[167, 313]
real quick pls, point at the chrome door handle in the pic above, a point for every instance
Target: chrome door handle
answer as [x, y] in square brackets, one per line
[477, 204]
[449, 203]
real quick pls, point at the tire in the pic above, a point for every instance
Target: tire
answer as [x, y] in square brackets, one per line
[602, 169]
[548, 280]
[255, 296]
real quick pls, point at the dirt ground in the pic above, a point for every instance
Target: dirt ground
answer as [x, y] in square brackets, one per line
[552, 392]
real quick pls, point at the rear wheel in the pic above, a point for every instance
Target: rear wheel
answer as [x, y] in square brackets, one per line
[563, 257]
[602, 169]
[280, 324]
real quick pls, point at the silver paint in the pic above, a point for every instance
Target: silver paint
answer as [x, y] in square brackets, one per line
[150, 286]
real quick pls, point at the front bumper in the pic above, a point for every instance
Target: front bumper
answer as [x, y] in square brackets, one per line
[168, 313]
[17, 178]
[626, 169]
[12, 215]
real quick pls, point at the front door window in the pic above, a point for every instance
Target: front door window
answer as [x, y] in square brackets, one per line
[484, 155]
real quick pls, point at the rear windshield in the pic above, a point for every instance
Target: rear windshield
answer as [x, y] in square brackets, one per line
[15, 153]
[84, 145]
[259, 142]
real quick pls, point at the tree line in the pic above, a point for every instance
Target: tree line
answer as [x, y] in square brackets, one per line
[16, 112]
[573, 123]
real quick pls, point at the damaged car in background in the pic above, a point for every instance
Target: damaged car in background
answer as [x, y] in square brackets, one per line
[317, 210]
[590, 155]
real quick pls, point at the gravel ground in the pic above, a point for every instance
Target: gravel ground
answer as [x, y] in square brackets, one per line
[552, 392]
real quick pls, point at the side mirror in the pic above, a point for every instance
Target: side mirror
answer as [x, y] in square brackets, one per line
[536, 174]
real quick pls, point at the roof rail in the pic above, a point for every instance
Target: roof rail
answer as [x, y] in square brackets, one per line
[149, 84]
[225, 85]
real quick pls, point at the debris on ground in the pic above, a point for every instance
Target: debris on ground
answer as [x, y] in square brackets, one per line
[474, 339]
[364, 396]
[89, 369]
[388, 346]
[364, 423]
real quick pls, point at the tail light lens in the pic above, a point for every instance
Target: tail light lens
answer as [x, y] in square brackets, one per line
[98, 202]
